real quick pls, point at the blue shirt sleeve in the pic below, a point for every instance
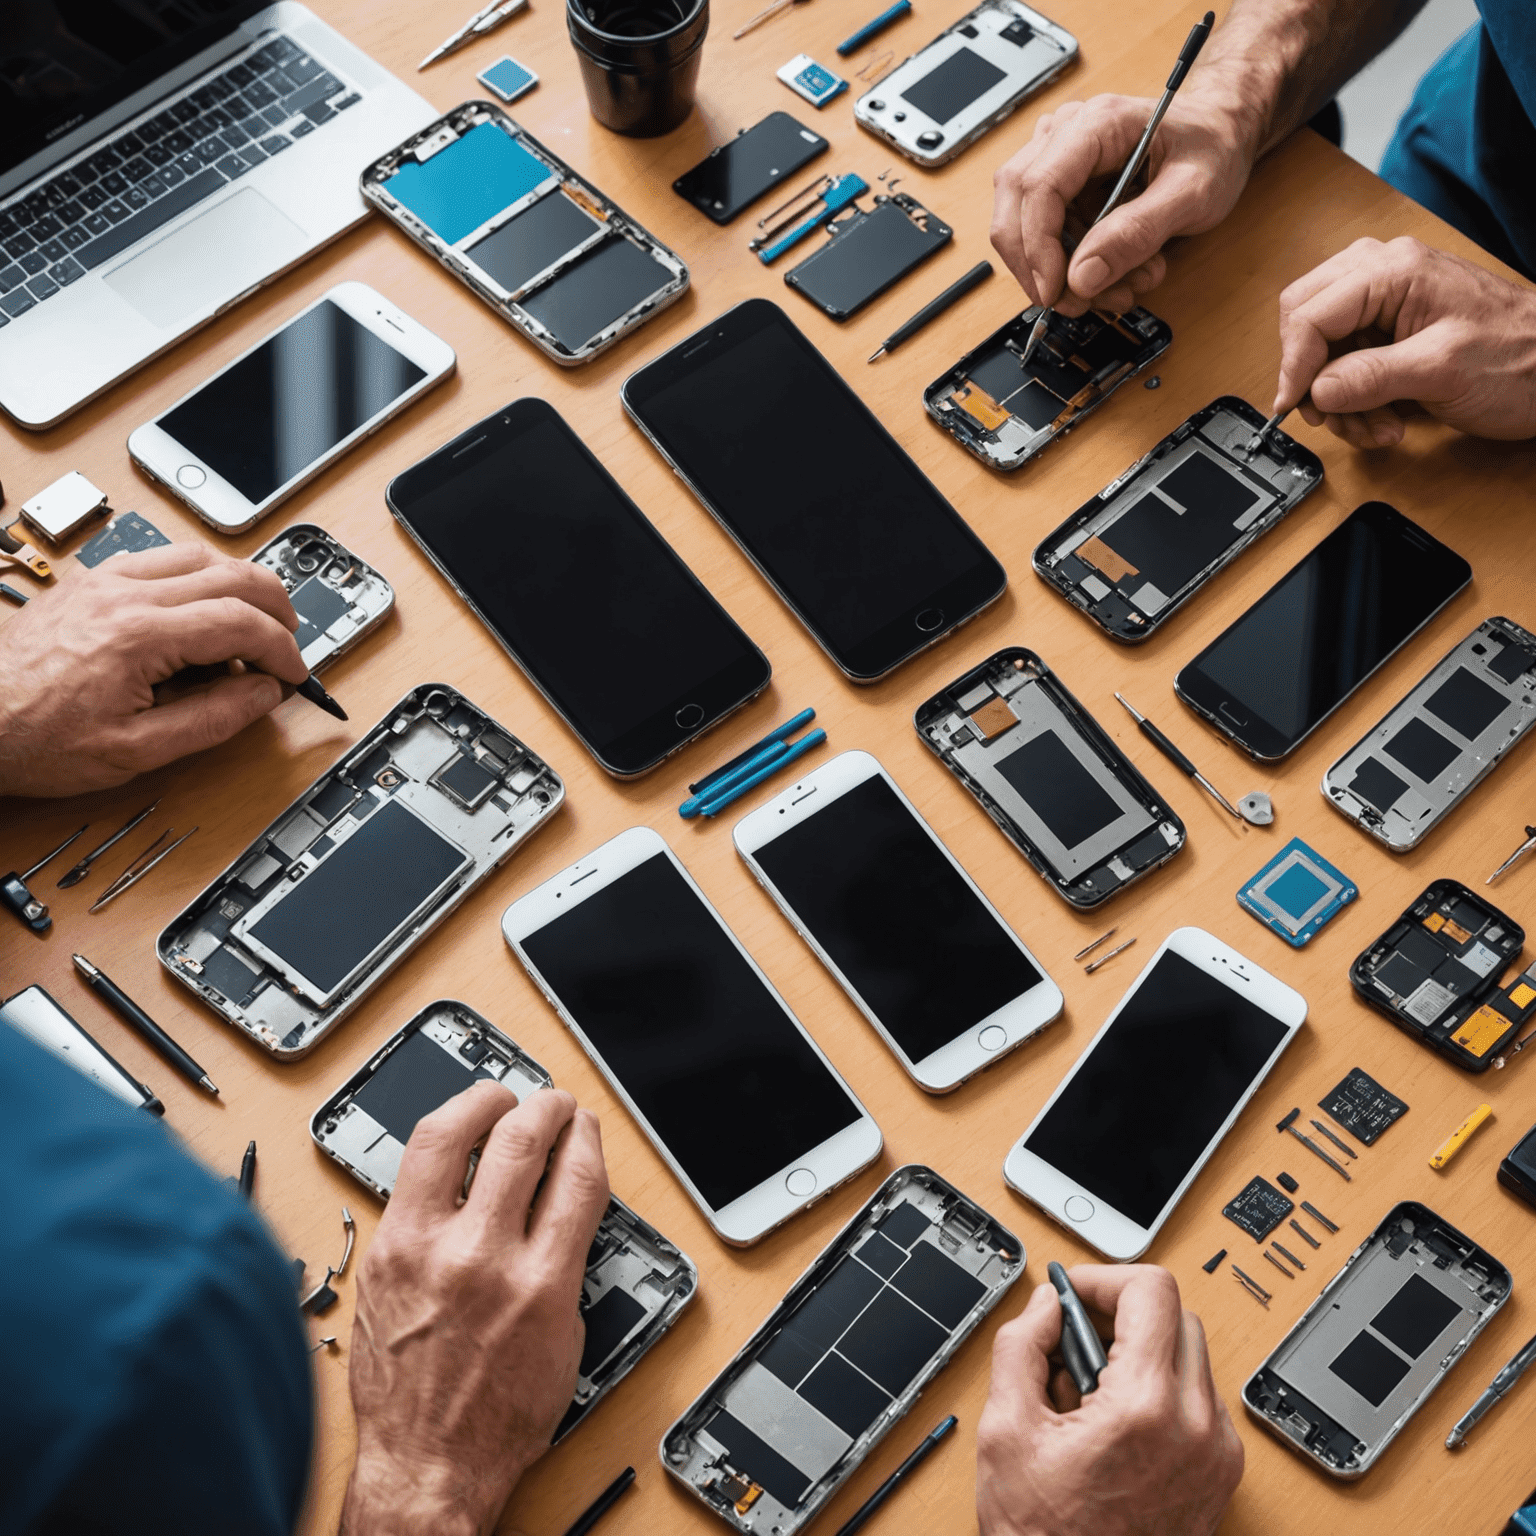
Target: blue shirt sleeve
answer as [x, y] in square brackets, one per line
[155, 1369]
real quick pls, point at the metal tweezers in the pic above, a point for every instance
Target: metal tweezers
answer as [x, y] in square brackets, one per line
[140, 867]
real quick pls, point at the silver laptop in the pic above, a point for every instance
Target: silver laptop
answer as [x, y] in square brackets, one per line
[159, 160]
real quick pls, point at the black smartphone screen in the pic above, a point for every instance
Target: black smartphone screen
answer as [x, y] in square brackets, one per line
[738, 172]
[875, 891]
[852, 534]
[285, 405]
[1160, 1083]
[729, 1085]
[566, 571]
[1322, 629]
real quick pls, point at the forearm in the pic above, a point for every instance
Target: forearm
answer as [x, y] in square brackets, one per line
[1272, 64]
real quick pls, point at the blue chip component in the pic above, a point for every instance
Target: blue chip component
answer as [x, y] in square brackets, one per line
[508, 79]
[1297, 892]
[470, 181]
[816, 83]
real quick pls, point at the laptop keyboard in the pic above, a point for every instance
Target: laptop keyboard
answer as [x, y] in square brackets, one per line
[158, 169]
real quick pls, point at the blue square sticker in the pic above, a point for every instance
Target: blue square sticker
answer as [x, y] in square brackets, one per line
[1296, 893]
[508, 79]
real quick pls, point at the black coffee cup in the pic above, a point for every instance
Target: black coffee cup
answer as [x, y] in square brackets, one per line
[639, 60]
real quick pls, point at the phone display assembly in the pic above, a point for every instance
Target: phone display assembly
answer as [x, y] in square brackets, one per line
[735, 174]
[836, 1365]
[1517, 1172]
[518, 227]
[1047, 773]
[866, 253]
[270, 421]
[926, 958]
[637, 1283]
[733, 1093]
[1436, 972]
[568, 574]
[1006, 413]
[338, 597]
[360, 868]
[1140, 549]
[1270, 679]
[851, 534]
[1149, 1101]
[1366, 1355]
[967, 80]
[34, 1013]
[1439, 743]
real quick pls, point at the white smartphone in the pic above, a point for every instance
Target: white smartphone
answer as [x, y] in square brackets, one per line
[889, 911]
[723, 1078]
[1148, 1102]
[270, 421]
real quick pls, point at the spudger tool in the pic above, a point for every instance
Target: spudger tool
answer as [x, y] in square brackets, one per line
[767, 13]
[487, 19]
[832, 193]
[1187, 56]
[752, 773]
[78, 872]
[874, 28]
[926, 1447]
[1084, 1355]
[21, 901]
[140, 867]
[777, 734]
[602, 1503]
[1257, 440]
[1499, 1387]
[934, 308]
[1257, 808]
[1516, 856]
[1289, 1124]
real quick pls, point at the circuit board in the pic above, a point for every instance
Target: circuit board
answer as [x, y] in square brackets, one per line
[1297, 893]
[126, 534]
[1259, 1209]
[1362, 1106]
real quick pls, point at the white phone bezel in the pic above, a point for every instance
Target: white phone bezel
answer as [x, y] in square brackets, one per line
[213, 498]
[754, 1214]
[945, 1069]
[1109, 1231]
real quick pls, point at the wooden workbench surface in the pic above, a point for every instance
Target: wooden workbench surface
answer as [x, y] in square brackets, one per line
[1306, 202]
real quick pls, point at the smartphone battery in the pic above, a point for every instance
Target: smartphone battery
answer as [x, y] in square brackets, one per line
[1439, 743]
[1045, 771]
[366, 862]
[1366, 1355]
[843, 1357]
[542, 246]
[1141, 548]
[1005, 413]
[637, 1283]
[866, 253]
[337, 595]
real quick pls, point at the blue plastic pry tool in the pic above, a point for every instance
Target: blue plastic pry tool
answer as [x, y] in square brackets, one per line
[837, 197]
[743, 765]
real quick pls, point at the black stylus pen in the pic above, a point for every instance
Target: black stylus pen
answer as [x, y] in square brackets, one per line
[602, 1503]
[310, 689]
[247, 1180]
[894, 1481]
[139, 1021]
[934, 308]
[1085, 1356]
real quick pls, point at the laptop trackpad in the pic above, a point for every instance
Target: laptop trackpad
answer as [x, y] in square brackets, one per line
[210, 261]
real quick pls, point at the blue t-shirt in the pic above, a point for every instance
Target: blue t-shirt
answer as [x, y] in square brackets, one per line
[154, 1374]
[1466, 146]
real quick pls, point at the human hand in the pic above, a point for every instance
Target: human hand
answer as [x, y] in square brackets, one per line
[1151, 1452]
[1198, 164]
[468, 1333]
[81, 663]
[1458, 342]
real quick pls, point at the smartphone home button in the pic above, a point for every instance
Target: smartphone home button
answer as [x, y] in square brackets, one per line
[190, 476]
[929, 620]
[993, 1038]
[689, 716]
[1233, 715]
[800, 1183]
[1078, 1209]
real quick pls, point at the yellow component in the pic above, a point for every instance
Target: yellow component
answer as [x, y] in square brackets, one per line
[1456, 932]
[1523, 994]
[748, 1499]
[1460, 1136]
[979, 405]
[993, 718]
[1481, 1031]
[1434, 922]
[1101, 557]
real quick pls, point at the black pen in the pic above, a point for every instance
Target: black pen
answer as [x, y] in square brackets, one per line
[247, 1180]
[889, 1486]
[602, 1503]
[139, 1021]
[310, 689]
[1085, 1356]
[934, 308]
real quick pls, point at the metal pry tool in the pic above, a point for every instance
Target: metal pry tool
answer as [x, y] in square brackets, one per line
[21, 901]
[1289, 1124]
[833, 193]
[487, 19]
[1515, 857]
[1256, 808]
[323, 1298]
[78, 872]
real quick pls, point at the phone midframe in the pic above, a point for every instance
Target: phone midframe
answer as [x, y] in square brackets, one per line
[637, 1283]
[212, 496]
[755, 1212]
[1086, 1212]
[945, 1068]
[435, 780]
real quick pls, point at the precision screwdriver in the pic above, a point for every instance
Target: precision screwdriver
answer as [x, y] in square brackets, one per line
[1178, 759]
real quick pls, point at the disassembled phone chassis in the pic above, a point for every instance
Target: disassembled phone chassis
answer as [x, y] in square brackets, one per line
[637, 1283]
[1368, 1352]
[337, 596]
[369, 859]
[790, 1419]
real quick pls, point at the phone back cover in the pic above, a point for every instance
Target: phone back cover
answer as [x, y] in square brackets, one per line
[866, 253]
